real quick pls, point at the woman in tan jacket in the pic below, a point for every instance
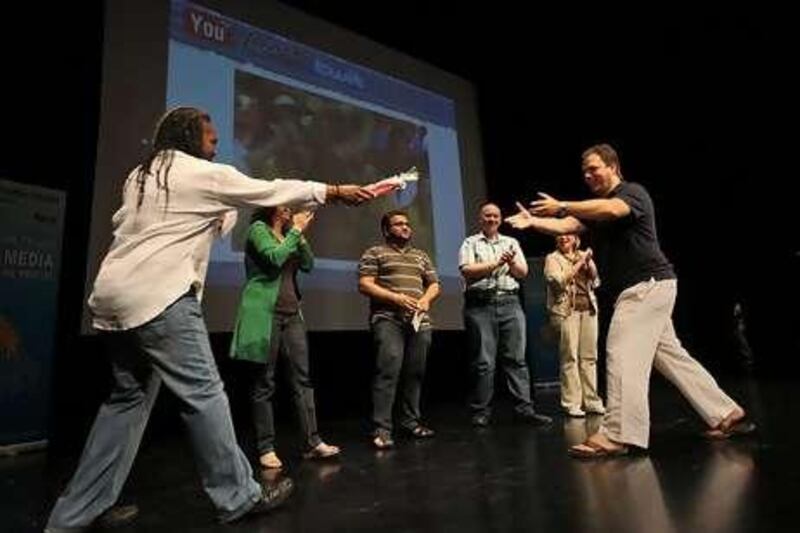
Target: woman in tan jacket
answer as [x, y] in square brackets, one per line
[571, 279]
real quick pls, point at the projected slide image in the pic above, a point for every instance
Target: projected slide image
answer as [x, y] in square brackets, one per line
[284, 132]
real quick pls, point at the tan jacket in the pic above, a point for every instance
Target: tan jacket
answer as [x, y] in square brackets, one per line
[560, 292]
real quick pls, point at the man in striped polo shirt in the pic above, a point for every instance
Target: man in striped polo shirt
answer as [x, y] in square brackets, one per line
[492, 264]
[401, 283]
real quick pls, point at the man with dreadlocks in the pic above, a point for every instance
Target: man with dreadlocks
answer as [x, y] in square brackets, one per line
[146, 301]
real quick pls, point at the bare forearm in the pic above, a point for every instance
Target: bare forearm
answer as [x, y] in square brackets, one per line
[518, 268]
[331, 192]
[431, 292]
[557, 226]
[375, 291]
[597, 209]
[476, 271]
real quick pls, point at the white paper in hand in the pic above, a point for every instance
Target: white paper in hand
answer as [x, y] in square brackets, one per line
[393, 183]
[416, 321]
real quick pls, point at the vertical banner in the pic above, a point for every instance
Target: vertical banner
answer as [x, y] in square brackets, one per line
[31, 226]
[541, 350]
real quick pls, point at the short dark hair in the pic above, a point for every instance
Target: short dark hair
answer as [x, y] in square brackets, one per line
[606, 153]
[388, 216]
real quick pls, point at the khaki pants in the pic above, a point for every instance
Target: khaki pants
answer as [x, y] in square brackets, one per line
[641, 336]
[578, 355]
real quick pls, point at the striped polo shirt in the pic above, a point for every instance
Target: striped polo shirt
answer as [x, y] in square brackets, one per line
[407, 270]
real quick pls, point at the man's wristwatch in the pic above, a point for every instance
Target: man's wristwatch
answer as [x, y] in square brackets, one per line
[562, 210]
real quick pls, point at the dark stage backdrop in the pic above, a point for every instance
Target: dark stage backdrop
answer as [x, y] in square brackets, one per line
[702, 107]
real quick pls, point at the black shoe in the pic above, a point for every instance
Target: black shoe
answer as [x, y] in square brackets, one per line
[116, 516]
[272, 496]
[480, 421]
[534, 419]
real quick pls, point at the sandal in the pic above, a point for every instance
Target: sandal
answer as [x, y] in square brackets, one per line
[421, 432]
[383, 441]
[270, 460]
[740, 427]
[731, 427]
[592, 450]
[322, 451]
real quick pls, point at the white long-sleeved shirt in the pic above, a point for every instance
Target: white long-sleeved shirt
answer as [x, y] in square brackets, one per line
[160, 249]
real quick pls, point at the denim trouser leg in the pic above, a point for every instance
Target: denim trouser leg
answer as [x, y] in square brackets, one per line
[399, 351]
[262, 392]
[389, 348]
[294, 347]
[481, 326]
[288, 341]
[412, 376]
[511, 352]
[172, 348]
[114, 438]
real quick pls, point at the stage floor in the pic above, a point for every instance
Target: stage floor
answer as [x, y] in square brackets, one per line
[503, 478]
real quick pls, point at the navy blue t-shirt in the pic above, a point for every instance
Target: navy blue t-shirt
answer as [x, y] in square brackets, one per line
[626, 250]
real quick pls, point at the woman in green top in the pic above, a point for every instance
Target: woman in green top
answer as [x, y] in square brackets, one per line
[269, 324]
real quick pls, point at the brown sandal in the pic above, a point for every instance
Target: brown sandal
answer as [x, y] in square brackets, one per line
[383, 441]
[738, 428]
[733, 425]
[592, 450]
[421, 432]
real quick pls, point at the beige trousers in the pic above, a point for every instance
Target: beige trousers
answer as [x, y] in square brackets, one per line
[578, 354]
[641, 336]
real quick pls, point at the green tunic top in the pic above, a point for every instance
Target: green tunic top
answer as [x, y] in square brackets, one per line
[265, 256]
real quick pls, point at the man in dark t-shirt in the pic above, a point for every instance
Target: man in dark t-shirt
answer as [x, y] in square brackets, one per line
[642, 283]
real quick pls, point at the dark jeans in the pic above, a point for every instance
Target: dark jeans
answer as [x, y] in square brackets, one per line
[401, 353]
[289, 342]
[496, 330]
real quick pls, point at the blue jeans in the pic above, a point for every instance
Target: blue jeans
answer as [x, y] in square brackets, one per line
[496, 330]
[172, 349]
[288, 340]
[401, 354]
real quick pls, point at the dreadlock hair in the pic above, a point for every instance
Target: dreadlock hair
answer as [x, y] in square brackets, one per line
[179, 129]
